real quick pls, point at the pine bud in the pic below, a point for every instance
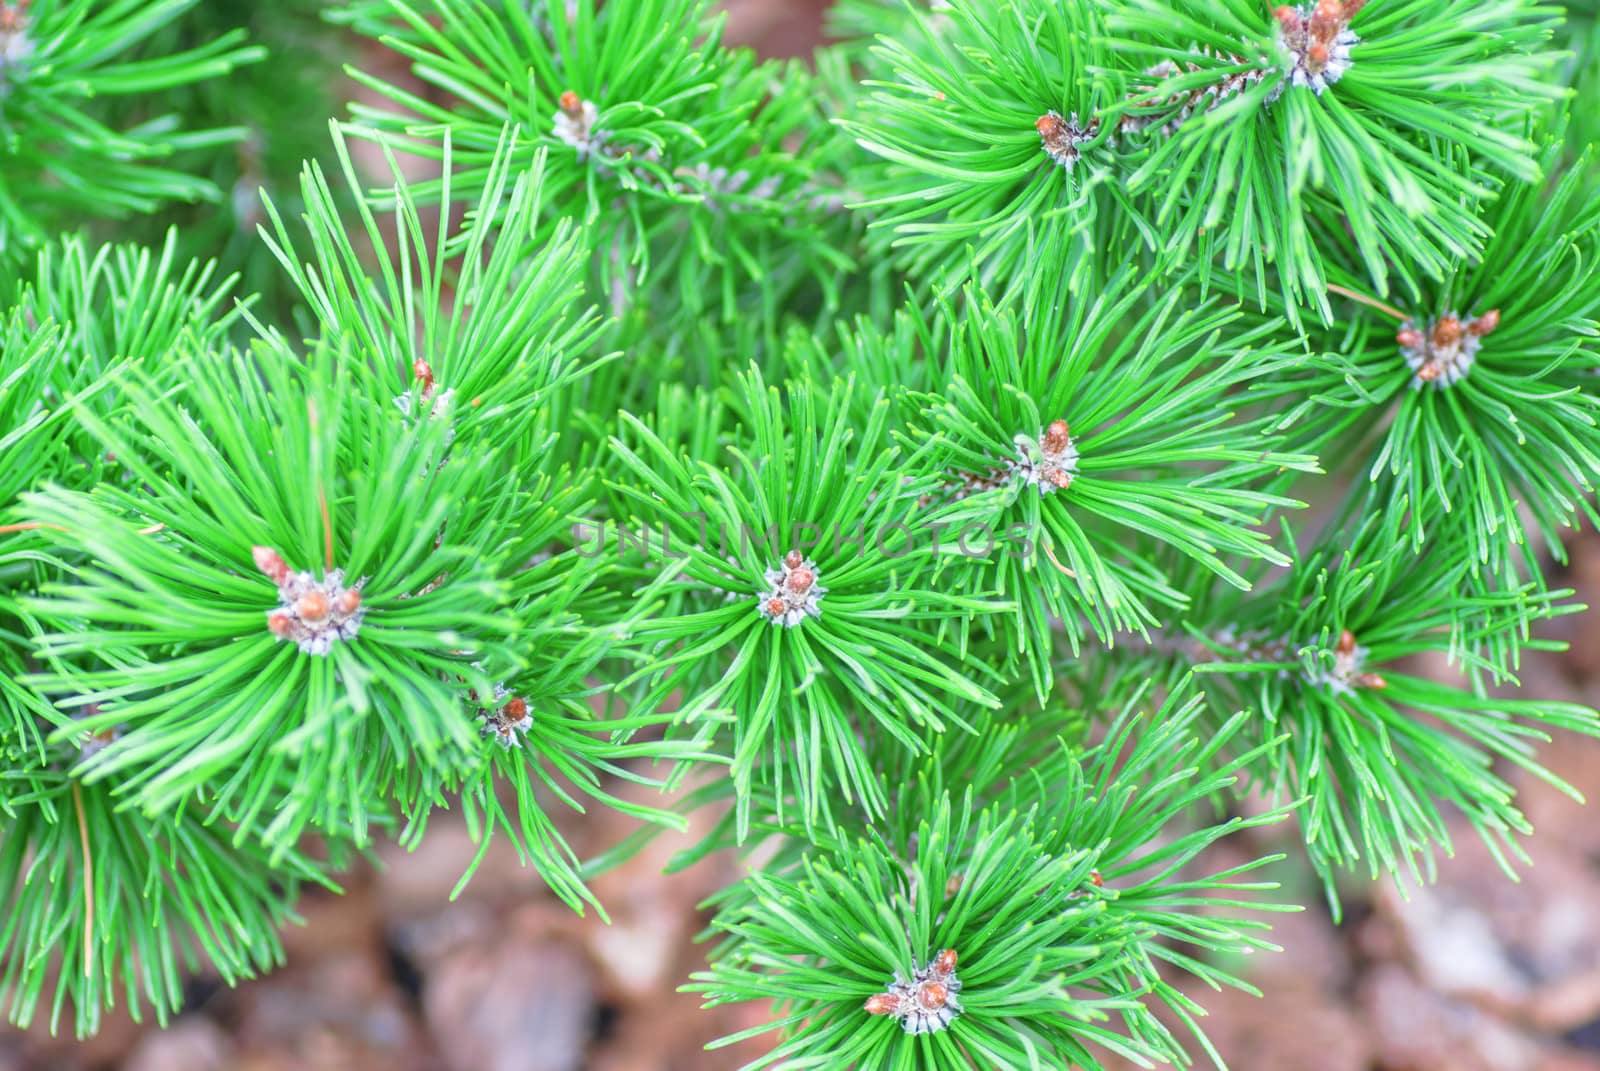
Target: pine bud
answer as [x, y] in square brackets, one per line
[347, 602]
[945, 962]
[516, 709]
[1327, 18]
[1410, 338]
[571, 105]
[1485, 323]
[1053, 130]
[933, 995]
[278, 624]
[1096, 879]
[883, 1004]
[1347, 643]
[793, 559]
[1372, 680]
[271, 563]
[800, 581]
[1288, 20]
[424, 373]
[952, 886]
[1055, 438]
[312, 606]
[1446, 332]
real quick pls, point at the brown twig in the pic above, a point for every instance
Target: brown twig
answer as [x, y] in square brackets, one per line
[1365, 300]
[88, 884]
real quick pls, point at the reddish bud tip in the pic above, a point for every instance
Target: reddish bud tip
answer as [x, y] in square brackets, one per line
[882, 1004]
[422, 370]
[800, 581]
[1287, 17]
[312, 606]
[1372, 680]
[1056, 438]
[932, 995]
[1485, 323]
[794, 559]
[571, 104]
[516, 709]
[775, 607]
[278, 625]
[1429, 372]
[348, 602]
[953, 885]
[1410, 338]
[1096, 879]
[270, 562]
[1317, 57]
[945, 962]
[1060, 478]
[1347, 642]
[1447, 331]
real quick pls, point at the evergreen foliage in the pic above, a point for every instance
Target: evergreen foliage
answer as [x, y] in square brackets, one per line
[900, 460]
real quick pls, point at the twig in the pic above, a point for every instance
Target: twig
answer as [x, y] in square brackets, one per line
[88, 884]
[1365, 300]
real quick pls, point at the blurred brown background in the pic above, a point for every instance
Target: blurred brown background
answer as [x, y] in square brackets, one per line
[1473, 974]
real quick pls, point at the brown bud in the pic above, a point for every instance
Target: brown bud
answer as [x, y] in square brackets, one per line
[1485, 323]
[883, 1004]
[270, 562]
[1288, 20]
[1061, 478]
[1096, 879]
[932, 995]
[1446, 332]
[1052, 131]
[945, 962]
[794, 559]
[776, 607]
[1429, 372]
[952, 885]
[1327, 18]
[1410, 338]
[1351, 7]
[800, 581]
[423, 371]
[1317, 57]
[278, 625]
[347, 602]
[515, 709]
[312, 606]
[571, 104]
[1347, 643]
[1372, 680]
[1056, 438]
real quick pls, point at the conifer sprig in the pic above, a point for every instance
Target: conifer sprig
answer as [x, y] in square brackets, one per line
[62, 161]
[1057, 911]
[807, 597]
[1104, 429]
[672, 147]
